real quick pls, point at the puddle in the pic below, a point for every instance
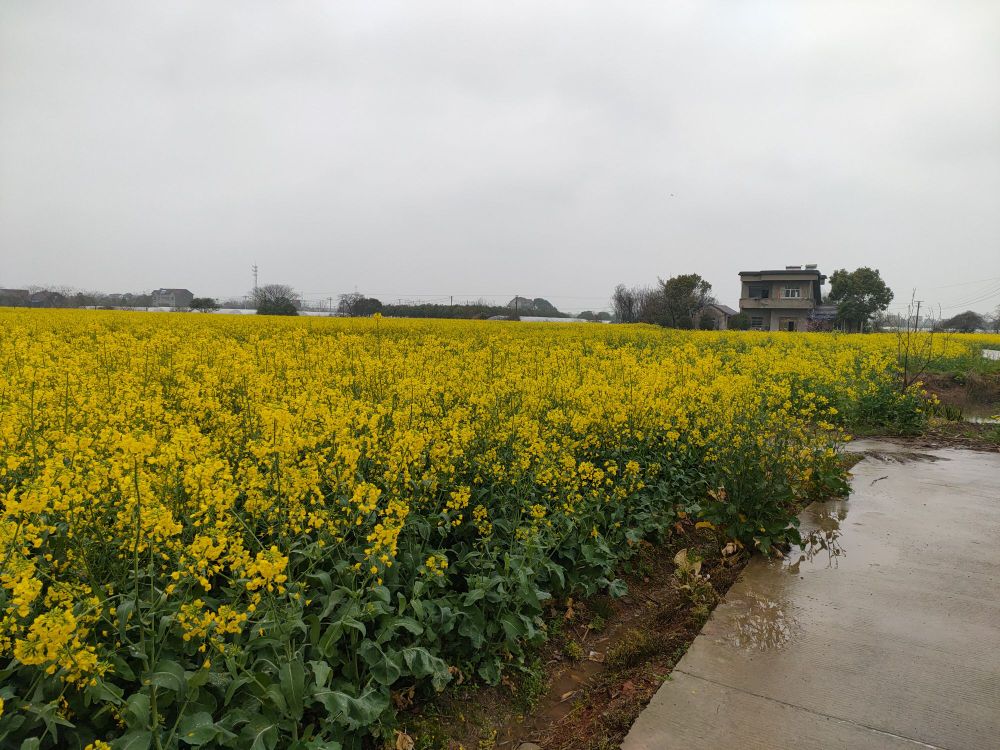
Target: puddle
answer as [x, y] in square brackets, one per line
[901, 456]
[767, 624]
[982, 420]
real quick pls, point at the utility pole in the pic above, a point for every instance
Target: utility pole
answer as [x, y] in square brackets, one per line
[254, 269]
[917, 326]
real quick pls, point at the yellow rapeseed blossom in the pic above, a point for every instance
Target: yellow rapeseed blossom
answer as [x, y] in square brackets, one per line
[196, 479]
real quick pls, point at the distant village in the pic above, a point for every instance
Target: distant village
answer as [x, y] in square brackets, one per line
[788, 299]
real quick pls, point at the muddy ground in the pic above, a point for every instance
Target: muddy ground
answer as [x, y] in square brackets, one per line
[604, 660]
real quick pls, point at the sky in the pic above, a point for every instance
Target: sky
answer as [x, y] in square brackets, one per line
[430, 150]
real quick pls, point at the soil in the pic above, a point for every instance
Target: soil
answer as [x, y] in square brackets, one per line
[965, 394]
[604, 660]
[947, 434]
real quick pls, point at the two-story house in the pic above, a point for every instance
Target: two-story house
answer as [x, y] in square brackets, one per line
[781, 300]
[172, 298]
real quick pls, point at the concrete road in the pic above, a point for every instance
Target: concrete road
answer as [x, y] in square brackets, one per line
[887, 638]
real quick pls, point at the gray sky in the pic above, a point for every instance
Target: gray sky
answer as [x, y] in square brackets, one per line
[491, 148]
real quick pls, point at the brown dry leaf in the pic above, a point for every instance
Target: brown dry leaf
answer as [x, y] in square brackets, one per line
[402, 699]
[730, 549]
[570, 614]
[567, 694]
[704, 525]
[403, 741]
[509, 684]
[457, 674]
[594, 656]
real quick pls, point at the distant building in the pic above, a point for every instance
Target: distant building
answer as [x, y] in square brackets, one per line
[783, 300]
[171, 298]
[45, 298]
[719, 315]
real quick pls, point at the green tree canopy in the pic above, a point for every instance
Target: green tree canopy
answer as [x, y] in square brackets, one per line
[684, 297]
[859, 295]
[966, 322]
[204, 304]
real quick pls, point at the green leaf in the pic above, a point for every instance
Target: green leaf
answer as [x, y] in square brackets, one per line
[263, 732]
[199, 729]
[473, 596]
[321, 672]
[136, 711]
[473, 626]
[353, 712]
[422, 664]
[168, 675]
[489, 670]
[292, 677]
[32, 743]
[104, 692]
[617, 588]
[386, 669]
[513, 626]
[139, 740]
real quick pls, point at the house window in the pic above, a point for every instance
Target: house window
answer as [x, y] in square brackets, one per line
[760, 291]
[792, 292]
[756, 321]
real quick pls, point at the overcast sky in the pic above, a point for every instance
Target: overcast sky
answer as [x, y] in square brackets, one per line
[413, 149]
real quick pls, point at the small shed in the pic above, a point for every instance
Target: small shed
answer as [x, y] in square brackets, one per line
[717, 316]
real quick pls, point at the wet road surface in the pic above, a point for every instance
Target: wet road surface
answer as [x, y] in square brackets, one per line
[884, 634]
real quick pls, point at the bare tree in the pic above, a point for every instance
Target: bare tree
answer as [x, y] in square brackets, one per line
[916, 350]
[625, 304]
[276, 299]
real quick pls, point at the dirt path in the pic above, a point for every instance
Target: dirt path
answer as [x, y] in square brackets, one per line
[887, 637]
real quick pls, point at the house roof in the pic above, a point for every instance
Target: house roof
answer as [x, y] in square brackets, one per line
[784, 272]
[724, 308]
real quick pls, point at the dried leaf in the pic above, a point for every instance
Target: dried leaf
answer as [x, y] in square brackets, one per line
[704, 525]
[403, 741]
[403, 699]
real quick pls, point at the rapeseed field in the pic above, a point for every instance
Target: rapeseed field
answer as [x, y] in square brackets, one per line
[251, 532]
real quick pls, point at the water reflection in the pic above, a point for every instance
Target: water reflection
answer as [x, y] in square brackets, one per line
[825, 540]
[766, 624]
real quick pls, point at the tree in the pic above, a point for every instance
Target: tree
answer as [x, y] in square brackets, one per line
[535, 307]
[204, 304]
[650, 304]
[967, 322]
[604, 315]
[684, 297]
[358, 305]
[859, 295]
[587, 315]
[625, 304]
[275, 299]
[739, 322]
[995, 320]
